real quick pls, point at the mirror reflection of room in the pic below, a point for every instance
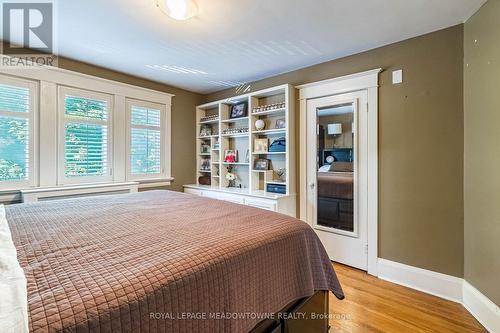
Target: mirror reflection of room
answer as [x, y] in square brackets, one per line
[336, 167]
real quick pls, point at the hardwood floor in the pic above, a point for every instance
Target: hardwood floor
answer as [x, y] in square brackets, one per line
[374, 305]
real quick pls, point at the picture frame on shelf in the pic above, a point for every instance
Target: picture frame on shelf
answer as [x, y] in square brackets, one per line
[261, 145]
[239, 110]
[261, 164]
[230, 156]
[205, 164]
[205, 148]
[280, 123]
[205, 130]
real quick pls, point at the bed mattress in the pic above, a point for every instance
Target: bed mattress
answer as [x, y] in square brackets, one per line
[337, 185]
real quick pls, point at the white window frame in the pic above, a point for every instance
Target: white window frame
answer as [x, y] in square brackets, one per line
[162, 176]
[32, 117]
[46, 129]
[64, 91]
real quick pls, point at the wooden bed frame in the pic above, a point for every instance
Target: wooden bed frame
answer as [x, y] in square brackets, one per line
[286, 322]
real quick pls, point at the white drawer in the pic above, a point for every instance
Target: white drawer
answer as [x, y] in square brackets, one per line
[192, 191]
[232, 198]
[262, 204]
[223, 196]
[210, 194]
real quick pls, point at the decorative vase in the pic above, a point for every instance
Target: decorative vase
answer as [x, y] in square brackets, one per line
[281, 174]
[230, 177]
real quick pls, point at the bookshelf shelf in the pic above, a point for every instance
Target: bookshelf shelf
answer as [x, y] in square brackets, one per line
[207, 137]
[215, 121]
[236, 120]
[236, 163]
[242, 135]
[262, 113]
[270, 131]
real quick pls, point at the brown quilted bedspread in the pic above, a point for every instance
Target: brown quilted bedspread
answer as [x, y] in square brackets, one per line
[338, 185]
[149, 262]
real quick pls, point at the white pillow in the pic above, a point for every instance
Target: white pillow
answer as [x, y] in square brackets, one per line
[324, 168]
[13, 289]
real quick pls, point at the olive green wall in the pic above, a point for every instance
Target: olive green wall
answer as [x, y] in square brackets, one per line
[183, 118]
[482, 150]
[420, 145]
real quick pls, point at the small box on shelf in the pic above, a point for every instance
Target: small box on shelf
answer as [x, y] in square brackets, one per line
[276, 188]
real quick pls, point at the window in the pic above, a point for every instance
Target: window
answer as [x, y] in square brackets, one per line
[146, 140]
[85, 151]
[17, 117]
[54, 131]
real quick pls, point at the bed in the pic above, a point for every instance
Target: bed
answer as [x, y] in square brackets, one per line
[160, 261]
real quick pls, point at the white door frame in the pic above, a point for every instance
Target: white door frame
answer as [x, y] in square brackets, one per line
[361, 81]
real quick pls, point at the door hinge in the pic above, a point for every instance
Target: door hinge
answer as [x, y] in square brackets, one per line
[366, 249]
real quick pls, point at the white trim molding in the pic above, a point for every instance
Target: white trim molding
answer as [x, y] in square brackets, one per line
[51, 193]
[343, 84]
[367, 81]
[437, 284]
[481, 307]
[444, 286]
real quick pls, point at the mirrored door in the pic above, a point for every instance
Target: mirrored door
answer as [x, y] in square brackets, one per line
[337, 173]
[336, 168]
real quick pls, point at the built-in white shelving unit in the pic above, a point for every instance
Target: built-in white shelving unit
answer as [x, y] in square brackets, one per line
[212, 142]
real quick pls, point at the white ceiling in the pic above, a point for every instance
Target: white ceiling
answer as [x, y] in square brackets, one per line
[237, 41]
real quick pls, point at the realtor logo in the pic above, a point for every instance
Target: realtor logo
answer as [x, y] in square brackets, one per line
[28, 33]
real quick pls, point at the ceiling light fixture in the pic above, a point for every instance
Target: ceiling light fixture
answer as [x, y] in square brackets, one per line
[178, 9]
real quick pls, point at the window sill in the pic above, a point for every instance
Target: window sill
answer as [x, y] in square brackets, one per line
[150, 183]
[14, 195]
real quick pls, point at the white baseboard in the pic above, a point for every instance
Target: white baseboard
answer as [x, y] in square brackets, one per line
[481, 307]
[437, 284]
[444, 286]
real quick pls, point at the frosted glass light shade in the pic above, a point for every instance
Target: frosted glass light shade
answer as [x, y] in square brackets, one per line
[334, 129]
[178, 9]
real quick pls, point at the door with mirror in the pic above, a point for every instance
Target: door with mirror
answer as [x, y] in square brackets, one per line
[337, 175]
